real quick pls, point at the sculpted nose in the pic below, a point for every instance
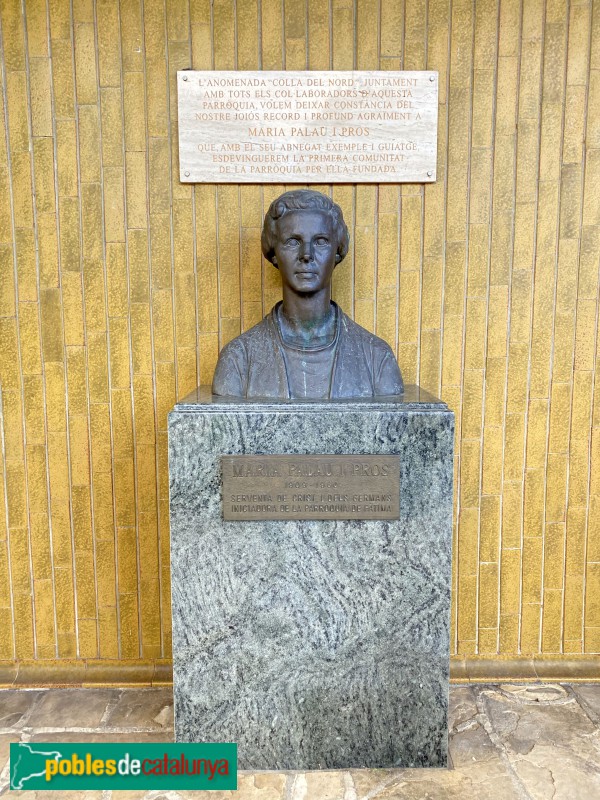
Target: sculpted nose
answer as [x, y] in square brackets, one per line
[306, 254]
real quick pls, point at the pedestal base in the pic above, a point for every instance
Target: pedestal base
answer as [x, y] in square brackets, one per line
[313, 644]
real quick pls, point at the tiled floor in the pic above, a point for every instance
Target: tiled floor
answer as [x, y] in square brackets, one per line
[532, 742]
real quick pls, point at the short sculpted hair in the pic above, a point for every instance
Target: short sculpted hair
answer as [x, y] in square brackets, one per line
[303, 200]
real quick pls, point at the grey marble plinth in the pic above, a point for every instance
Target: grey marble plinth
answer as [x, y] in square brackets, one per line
[313, 644]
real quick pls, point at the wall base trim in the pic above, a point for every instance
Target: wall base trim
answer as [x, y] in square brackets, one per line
[86, 672]
[159, 672]
[569, 668]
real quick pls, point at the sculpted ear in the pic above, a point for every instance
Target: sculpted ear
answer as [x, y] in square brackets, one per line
[338, 258]
[274, 262]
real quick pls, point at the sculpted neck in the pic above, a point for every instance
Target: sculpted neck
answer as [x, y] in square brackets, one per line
[307, 307]
[307, 320]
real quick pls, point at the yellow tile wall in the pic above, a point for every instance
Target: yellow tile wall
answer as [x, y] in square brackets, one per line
[118, 286]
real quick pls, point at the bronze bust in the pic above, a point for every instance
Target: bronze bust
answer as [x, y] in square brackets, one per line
[306, 347]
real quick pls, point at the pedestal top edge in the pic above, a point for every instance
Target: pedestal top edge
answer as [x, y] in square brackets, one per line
[414, 399]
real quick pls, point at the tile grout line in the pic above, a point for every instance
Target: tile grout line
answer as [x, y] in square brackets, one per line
[86, 342]
[515, 162]
[151, 326]
[130, 365]
[57, 230]
[36, 234]
[493, 153]
[5, 501]
[556, 250]
[459, 497]
[529, 342]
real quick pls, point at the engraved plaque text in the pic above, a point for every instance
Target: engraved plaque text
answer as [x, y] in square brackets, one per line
[311, 487]
[307, 127]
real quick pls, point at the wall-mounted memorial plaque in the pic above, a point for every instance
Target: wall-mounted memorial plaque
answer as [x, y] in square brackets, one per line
[307, 127]
[311, 487]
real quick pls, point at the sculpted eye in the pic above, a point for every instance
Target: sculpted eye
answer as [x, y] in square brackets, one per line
[322, 240]
[292, 242]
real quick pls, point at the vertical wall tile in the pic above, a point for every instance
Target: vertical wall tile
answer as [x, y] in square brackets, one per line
[118, 286]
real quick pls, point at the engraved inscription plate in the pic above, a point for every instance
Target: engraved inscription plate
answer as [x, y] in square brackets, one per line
[307, 127]
[311, 487]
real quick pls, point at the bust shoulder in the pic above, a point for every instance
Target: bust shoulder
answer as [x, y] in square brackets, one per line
[249, 339]
[241, 358]
[362, 346]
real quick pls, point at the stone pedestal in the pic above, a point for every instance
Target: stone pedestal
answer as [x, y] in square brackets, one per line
[313, 644]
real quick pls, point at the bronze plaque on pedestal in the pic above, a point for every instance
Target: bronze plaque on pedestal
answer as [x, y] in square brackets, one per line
[311, 487]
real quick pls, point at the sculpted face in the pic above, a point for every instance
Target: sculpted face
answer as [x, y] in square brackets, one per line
[306, 250]
[306, 347]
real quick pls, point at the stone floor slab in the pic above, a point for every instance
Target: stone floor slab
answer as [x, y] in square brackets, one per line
[103, 736]
[589, 699]
[549, 741]
[15, 706]
[62, 708]
[142, 708]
